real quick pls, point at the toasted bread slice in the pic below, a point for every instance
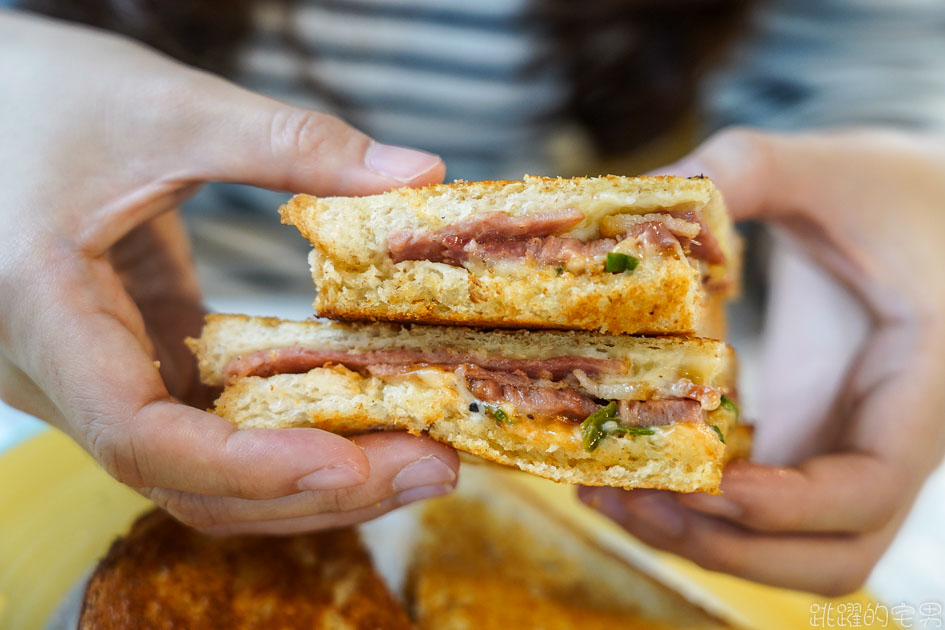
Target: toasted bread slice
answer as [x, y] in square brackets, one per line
[491, 558]
[358, 278]
[165, 575]
[434, 398]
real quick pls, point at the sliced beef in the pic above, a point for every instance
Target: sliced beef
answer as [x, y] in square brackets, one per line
[557, 250]
[656, 413]
[654, 234]
[540, 387]
[704, 246]
[493, 251]
[550, 250]
[448, 244]
[495, 236]
[620, 224]
[708, 397]
[291, 360]
[297, 360]
[527, 396]
[658, 235]
[683, 223]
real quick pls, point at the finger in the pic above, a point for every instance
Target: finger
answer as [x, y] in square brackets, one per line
[863, 488]
[166, 444]
[82, 353]
[244, 137]
[841, 493]
[221, 132]
[404, 468]
[828, 564]
[316, 522]
[780, 178]
[744, 164]
[155, 265]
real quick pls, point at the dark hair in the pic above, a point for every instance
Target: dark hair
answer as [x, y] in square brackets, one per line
[634, 65]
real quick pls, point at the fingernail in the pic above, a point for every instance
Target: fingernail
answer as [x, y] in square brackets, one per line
[712, 504]
[426, 471]
[399, 163]
[331, 478]
[424, 492]
[658, 513]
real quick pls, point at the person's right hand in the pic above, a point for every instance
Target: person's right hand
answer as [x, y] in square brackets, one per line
[101, 140]
[853, 365]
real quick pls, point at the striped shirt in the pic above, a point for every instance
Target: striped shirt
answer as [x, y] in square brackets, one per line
[457, 78]
[826, 63]
[466, 80]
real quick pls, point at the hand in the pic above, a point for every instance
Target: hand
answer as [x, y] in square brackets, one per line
[102, 139]
[853, 367]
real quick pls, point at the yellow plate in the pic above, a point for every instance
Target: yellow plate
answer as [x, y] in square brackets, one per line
[740, 602]
[59, 511]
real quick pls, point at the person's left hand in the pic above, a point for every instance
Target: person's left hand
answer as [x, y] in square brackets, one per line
[854, 362]
[100, 140]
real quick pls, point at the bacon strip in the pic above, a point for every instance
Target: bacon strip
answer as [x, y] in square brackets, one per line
[655, 234]
[525, 395]
[448, 244]
[297, 360]
[665, 229]
[656, 413]
[704, 246]
[708, 397]
[531, 386]
[550, 250]
[619, 224]
[495, 236]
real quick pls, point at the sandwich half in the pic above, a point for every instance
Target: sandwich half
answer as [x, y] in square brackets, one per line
[493, 556]
[632, 255]
[577, 407]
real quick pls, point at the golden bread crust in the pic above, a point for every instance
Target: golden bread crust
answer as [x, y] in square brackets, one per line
[492, 559]
[663, 296]
[163, 575]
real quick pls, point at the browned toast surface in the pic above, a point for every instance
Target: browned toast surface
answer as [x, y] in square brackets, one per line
[165, 575]
[498, 561]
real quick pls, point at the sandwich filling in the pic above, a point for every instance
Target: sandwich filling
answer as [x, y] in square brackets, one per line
[542, 239]
[569, 389]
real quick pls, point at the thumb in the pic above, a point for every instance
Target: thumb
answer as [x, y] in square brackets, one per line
[251, 139]
[745, 167]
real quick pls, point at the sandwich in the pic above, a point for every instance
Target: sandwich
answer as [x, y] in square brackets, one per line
[573, 406]
[625, 255]
[165, 575]
[492, 557]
